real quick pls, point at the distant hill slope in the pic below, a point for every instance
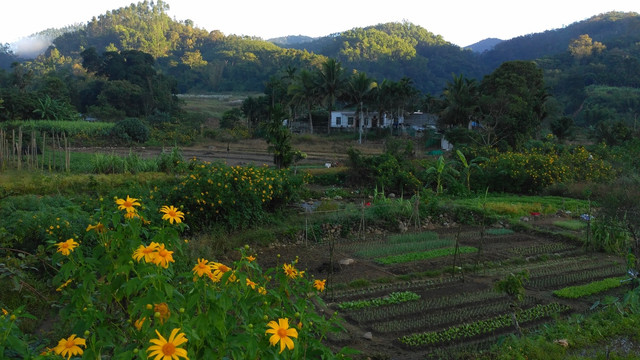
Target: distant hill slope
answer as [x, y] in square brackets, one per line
[613, 29]
[291, 40]
[484, 45]
[209, 61]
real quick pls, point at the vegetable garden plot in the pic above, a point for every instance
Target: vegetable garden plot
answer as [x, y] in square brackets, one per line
[445, 316]
[578, 277]
[546, 248]
[424, 305]
[481, 327]
[554, 265]
[595, 287]
[447, 305]
[383, 289]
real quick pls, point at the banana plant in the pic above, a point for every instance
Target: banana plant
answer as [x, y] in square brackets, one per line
[440, 170]
[468, 165]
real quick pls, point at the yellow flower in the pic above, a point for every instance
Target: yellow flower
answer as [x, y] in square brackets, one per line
[138, 323]
[282, 333]
[290, 271]
[202, 267]
[172, 214]
[64, 285]
[5, 312]
[168, 350]
[163, 257]
[319, 284]
[99, 228]
[251, 258]
[146, 252]
[251, 284]
[66, 247]
[70, 346]
[131, 215]
[163, 310]
[219, 269]
[127, 204]
[262, 290]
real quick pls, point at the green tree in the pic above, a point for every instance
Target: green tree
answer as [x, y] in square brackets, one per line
[231, 118]
[584, 46]
[255, 109]
[460, 102]
[358, 90]
[561, 127]
[512, 103]
[279, 139]
[304, 92]
[331, 84]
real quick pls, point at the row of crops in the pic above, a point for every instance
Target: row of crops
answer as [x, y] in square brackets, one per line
[431, 313]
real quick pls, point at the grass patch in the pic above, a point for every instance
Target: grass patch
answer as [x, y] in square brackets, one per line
[516, 206]
[424, 255]
[574, 225]
[70, 128]
[578, 291]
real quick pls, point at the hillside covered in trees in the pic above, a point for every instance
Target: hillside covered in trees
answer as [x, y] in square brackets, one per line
[138, 54]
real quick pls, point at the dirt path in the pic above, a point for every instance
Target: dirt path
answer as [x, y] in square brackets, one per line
[245, 152]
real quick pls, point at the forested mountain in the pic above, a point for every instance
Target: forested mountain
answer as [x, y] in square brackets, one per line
[578, 61]
[291, 40]
[484, 45]
[396, 50]
[211, 61]
[614, 29]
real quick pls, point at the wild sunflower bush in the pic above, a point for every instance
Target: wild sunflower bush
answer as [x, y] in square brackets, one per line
[236, 196]
[534, 169]
[132, 294]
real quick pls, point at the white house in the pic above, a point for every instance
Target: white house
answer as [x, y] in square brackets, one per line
[349, 119]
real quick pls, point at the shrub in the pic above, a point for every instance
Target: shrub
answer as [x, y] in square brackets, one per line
[134, 285]
[233, 195]
[130, 129]
[535, 169]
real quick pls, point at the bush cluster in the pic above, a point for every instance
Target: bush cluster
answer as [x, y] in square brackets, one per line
[533, 170]
[233, 195]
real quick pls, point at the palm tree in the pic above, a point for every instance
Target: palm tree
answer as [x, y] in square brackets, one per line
[358, 90]
[304, 92]
[383, 98]
[461, 101]
[331, 83]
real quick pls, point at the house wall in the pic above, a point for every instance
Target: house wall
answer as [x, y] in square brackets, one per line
[348, 119]
[344, 116]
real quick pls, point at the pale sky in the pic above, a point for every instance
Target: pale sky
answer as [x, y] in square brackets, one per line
[460, 22]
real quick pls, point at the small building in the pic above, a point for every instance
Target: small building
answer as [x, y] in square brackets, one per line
[420, 121]
[349, 119]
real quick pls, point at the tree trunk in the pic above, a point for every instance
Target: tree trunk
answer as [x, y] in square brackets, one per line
[310, 122]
